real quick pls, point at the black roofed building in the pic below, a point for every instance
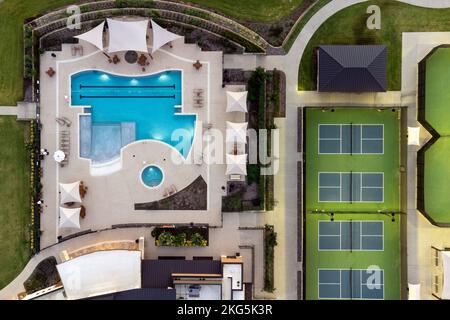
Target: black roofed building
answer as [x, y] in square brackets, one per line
[352, 68]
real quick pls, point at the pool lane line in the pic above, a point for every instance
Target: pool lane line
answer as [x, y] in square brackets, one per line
[125, 97]
[168, 86]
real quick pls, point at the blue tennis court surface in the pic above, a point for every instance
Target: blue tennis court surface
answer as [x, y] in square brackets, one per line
[351, 139]
[351, 187]
[351, 235]
[351, 284]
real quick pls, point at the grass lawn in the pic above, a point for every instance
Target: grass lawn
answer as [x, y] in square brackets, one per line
[252, 10]
[437, 175]
[14, 198]
[349, 27]
[437, 94]
[437, 202]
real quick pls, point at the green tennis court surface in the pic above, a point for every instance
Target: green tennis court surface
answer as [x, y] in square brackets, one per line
[351, 235]
[351, 138]
[367, 182]
[437, 114]
[351, 284]
[352, 190]
[351, 187]
[372, 242]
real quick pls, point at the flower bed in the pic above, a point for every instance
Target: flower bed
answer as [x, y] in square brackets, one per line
[181, 236]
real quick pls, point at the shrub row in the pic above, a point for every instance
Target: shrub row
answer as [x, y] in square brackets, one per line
[270, 242]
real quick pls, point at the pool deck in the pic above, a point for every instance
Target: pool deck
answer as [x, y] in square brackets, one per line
[113, 190]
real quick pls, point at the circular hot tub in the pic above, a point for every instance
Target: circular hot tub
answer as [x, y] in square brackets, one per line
[152, 176]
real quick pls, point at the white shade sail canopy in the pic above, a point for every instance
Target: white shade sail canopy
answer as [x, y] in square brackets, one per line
[100, 272]
[414, 136]
[236, 164]
[94, 36]
[446, 274]
[237, 101]
[69, 192]
[161, 36]
[69, 218]
[127, 35]
[236, 132]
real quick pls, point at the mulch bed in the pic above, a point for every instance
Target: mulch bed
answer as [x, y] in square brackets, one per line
[193, 197]
[44, 275]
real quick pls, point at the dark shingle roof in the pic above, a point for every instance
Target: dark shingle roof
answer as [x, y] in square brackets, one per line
[139, 294]
[352, 68]
[158, 273]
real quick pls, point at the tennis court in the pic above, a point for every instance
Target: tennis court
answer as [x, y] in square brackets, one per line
[351, 138]
[351, 284]
[351, 235]
[351, 187]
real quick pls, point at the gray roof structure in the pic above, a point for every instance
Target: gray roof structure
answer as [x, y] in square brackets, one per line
[158, 273]
[352, 68]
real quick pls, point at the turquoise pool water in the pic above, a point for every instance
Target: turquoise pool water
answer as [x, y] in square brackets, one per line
[126, 109]
[152, 176]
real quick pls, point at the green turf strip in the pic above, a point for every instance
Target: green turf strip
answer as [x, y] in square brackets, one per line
[437, 177]
[437, 99]
[14, 199]
[437, 114]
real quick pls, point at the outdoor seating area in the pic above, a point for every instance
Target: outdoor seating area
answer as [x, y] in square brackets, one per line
[71, 207]
[197, 65]
[51, 72]
[109, 150]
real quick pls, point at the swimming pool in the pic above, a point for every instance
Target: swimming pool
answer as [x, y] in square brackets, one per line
[125, 109]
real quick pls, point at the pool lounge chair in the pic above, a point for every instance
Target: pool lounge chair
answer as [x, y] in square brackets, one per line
[60, 121]
[67, 121]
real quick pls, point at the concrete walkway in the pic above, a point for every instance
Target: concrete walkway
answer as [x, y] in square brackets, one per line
[8, 111]
[436, 4]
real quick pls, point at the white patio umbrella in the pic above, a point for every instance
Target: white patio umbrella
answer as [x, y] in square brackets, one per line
[69, 218]
[59, 155]
[70, 192]
[237, 101]
[414, 136]
[236, 164]
[236, 132]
